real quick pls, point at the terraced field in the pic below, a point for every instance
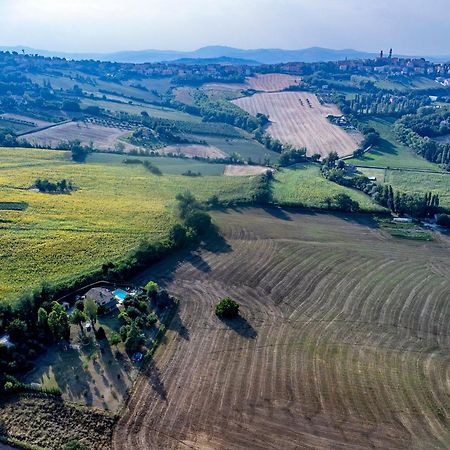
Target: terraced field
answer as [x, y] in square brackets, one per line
[298, 118]
[343, 342]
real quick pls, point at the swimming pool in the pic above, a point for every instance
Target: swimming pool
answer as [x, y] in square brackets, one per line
[120, 294]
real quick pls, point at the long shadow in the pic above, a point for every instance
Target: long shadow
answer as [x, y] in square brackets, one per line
[215, 242]
[199, 263]
[241, 326]
[113, 370]
[154, 378]
[176, 324]
[278, 213]
[383, 147]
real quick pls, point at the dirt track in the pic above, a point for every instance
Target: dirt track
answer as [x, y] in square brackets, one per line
[343, 343]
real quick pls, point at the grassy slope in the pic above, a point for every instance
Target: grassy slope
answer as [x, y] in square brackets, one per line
[389, 152]
[136, 108]
[171, 166]
[418, 182]
[304, 184]
[246, 147]
[116, 206]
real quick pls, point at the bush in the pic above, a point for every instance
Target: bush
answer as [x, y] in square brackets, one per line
[443, 220]
[152, 289]
[152, 319]
[227, 308]
[199, 221]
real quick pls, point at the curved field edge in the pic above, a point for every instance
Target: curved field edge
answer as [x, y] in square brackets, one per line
[343, 341]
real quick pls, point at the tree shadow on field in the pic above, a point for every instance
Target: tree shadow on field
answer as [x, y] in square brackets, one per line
[241, 326]
[198, 262]
[154, 379]
[215, 242]
[177, 325]
[278, 213]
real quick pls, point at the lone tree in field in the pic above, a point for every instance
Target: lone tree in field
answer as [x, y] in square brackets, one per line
[227, 308]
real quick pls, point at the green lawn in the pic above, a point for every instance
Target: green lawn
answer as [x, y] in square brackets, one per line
[389, 152]
[304, 184]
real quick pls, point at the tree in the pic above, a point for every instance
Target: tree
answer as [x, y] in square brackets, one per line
[17, 330]
[199, 221]
[79, 152]
[134, 339]
[178, 235]
[91, 309]
[115, 339]
[58, 322]
[78, 317]
[42, 318]
[186, 204]
[152, 289]
[345, 203]
[227, 308]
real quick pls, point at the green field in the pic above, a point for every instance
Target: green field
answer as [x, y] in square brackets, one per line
[246, 147]
[136, 108]
[415, 182]
[170, 166]
[69, 79]
[389, 152]
[115, 207]
[304, 184]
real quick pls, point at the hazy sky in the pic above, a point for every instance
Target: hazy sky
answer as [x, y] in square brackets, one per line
[409, 26]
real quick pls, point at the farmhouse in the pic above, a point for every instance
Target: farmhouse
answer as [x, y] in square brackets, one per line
[103, 297]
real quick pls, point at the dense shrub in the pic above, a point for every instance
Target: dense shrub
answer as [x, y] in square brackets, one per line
[227, 308]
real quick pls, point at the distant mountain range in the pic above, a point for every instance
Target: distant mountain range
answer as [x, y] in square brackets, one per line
[217, 54]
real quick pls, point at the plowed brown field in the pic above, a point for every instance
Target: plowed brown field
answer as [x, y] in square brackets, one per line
[298, 118]
[343, 342]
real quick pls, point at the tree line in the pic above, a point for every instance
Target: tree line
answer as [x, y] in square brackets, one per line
[418, 130]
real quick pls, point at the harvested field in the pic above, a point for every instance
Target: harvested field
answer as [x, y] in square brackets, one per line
[270, 82]
[298, 118]
[343, 341]
[102, 137]
[243, 170]
[191, 150]
[26, 119]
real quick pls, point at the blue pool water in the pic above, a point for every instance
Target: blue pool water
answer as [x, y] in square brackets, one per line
[118, 293]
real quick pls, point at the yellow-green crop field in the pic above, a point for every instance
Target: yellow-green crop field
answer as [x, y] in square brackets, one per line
[115, 207]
